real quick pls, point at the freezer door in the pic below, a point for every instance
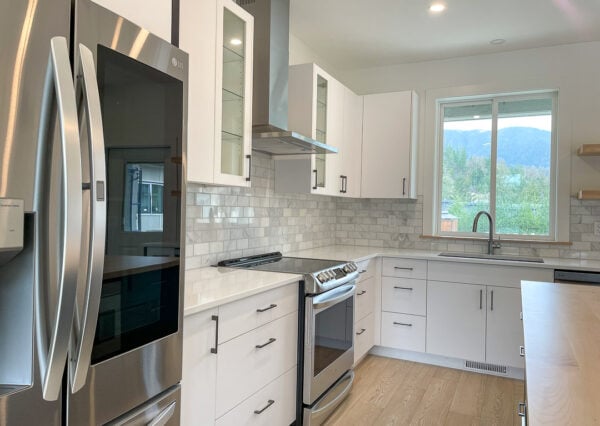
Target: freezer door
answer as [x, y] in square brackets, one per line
[27, 27]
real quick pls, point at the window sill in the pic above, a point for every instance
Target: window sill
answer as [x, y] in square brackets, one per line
[502, 240]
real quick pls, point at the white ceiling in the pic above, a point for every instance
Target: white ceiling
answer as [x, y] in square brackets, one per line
[366, 33]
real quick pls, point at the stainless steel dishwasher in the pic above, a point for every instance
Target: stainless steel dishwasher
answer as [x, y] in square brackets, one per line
[576, 277]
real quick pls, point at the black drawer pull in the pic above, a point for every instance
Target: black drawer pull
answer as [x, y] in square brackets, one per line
[269, 403]
[362, 330]
[214, 350]
[361, 293]
[403, 288]
[271, 306]
[363, 271]
[402, 268]
[402, 323]
[271, 340]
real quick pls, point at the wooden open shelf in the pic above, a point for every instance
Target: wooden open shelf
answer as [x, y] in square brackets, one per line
[589, 194]
[589, 150]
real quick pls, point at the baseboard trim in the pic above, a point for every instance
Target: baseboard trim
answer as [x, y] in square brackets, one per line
[441, 361]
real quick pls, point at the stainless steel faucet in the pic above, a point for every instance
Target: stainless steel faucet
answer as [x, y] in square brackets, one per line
[491, 244]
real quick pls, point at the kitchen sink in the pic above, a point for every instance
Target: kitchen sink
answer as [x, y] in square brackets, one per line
[506, 257]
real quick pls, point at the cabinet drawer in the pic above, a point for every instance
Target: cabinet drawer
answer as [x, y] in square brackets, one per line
[402, 331]
[475, 273]
[366, 269]
[404, 295]
[238, 317]
[363, 336]
[277, 399]
[243, 368]
[365, 298]
[404, 268]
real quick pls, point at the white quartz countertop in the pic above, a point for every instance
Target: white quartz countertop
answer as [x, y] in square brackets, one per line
[208, 287]
[358, 253]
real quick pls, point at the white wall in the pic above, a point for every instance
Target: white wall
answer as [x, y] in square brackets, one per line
[300, 53]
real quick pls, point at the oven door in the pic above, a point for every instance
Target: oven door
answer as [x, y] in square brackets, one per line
[135, 344]
[329, 340]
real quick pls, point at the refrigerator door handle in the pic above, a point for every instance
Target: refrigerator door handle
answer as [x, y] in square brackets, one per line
[57, 263]
[90, 275]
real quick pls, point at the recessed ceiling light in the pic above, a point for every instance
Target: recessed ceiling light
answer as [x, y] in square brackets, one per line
[498, 41]
[235, 41]
[437, 7]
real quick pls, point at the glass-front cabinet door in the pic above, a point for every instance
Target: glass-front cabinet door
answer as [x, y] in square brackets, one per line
[233, 118]
[320, 164]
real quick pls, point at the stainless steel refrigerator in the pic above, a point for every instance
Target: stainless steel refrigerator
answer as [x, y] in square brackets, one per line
[92, 190]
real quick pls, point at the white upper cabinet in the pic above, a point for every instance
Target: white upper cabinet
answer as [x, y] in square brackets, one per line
[351, 146]
[153, 15]
[218, 35]
[316, 103]
[389, 145]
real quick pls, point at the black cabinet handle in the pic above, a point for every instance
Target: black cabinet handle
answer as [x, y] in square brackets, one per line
[271, 306]
[480, 299]
[403, 186]
[403, 323]
[249, 157]
[316, 178]
[342, 178]
[362, 330]
[402, 268]
[361, 293]
[492, 302]
[269, 403]
[216, 348]
[403, 288]
[271, 340]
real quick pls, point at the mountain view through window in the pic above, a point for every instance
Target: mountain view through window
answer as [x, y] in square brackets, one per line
[497, 157]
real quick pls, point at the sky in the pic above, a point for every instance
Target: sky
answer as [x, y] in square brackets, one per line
[542, 122]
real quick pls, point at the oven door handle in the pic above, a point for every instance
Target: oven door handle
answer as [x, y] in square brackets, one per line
[322, 412]
[90, 275]
[331, 297]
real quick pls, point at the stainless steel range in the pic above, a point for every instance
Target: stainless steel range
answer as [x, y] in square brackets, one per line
[325, 329]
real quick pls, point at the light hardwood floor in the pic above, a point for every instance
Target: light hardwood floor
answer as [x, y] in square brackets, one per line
[394, 392]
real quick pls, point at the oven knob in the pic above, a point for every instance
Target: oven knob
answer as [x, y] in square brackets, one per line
[321, 277]
[347, 269]
[353, 266]
[330, 275]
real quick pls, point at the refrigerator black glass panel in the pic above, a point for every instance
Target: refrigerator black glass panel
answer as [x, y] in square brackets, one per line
[142, 111]
[333, 333]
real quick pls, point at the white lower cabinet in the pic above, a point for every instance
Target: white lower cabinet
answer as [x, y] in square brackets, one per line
[225, 382]
[402, 331]
[363, 336]
[365, 298]
[364, 309]
[456, 320]
[274, 404]
[199, 369]
[504, 327]
[404, 295]
[254, 359]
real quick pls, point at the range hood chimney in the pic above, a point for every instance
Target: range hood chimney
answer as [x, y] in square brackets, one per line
[270, 132]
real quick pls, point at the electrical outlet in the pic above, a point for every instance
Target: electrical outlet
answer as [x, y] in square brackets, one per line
[596, 228]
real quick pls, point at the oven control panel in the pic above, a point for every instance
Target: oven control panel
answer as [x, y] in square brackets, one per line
[337, 276]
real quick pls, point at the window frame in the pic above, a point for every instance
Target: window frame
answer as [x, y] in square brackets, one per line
[494, 100]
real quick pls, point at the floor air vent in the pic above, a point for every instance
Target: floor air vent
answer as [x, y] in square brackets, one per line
[474, 365]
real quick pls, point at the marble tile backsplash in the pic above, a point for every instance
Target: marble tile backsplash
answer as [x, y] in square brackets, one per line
[226, 222]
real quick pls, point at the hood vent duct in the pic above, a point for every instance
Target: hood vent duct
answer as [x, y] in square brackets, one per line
[270, 132]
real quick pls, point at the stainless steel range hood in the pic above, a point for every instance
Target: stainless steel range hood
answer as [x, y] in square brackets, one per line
[270, 132]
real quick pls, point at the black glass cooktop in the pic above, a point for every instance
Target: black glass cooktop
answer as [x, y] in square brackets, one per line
[275, 262]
